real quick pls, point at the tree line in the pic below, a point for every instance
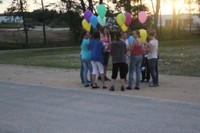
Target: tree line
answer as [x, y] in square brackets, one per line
[69, 13]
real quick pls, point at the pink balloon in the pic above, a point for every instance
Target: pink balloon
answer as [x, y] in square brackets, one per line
[142, 16]
[128, 18]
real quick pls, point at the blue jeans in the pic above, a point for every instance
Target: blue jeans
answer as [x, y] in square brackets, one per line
[86, 66]
[153, 65]
[135, 62]
[81, 71]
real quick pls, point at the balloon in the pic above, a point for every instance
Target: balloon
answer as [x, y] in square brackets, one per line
[131, 40]
[124, 27]
[86, 25]
[87, 15]
[101, 21]
[101, 10]
[143, 35]
[142, 16]
[121, 18]
[94, 21]
[128, 18]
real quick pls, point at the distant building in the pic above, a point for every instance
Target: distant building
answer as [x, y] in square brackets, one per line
[184, 21]
[11, 19]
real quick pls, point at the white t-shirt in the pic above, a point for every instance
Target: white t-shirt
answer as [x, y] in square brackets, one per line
[154, 52]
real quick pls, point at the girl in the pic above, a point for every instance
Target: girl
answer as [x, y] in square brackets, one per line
[85, 57]
[97, 48]
[135, 61]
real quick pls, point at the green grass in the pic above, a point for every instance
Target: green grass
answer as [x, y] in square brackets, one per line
[178, 57]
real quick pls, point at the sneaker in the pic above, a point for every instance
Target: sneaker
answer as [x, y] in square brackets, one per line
[128, 88]
[105, 87]
[107, 79]
[86, 85]
[112, 88]
[95, 86]
[136, 88]
[153, 85]
[122, 88]
[142, 80]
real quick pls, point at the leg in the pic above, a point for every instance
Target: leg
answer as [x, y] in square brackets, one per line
[85, 70]
[81, 71]
[138, 70]
[131, 69]
[101, 70]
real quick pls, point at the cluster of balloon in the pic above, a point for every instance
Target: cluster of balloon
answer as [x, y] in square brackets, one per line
[86, 21]
[92, 20]
[101, 10]
[124, 20]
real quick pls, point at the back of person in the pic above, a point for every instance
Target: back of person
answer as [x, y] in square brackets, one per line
[96, 47]
[154, 53]
[118, 51]
[137, 50]
[85, 51]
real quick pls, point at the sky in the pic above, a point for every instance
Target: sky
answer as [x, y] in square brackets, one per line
[166, 8]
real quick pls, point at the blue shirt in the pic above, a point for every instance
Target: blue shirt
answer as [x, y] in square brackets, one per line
[96, 47]
[84, 49]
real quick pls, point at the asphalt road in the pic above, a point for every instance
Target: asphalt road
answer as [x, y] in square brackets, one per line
[39, 109]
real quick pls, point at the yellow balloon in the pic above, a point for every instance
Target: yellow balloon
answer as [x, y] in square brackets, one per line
[124, 27]
[143, 35]
[86, 25]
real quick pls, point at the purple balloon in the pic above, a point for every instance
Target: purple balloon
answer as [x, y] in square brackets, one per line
[128, 18]
[87, 15]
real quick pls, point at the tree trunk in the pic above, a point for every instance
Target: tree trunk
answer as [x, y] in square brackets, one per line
[156, 15]
[24, 23]
[100, 1]
[90, 5]
[43, 23]
[83, 5]
[174, 22]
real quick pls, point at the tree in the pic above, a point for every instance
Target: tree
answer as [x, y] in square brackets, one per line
[20, 8]
[156, 13]
[1, 1]
[43, 22]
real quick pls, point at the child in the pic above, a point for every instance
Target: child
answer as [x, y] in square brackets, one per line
[97, 48]
[118, 51]
[85, 57]
[153, 58]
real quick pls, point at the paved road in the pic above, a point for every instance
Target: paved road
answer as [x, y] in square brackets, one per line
[39, 109]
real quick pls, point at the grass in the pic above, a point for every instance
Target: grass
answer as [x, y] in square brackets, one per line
[176, 57]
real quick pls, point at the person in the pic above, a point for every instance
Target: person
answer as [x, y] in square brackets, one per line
[106, 39]
[135, 61]
[118, 51]
[126, 41]
[85, 57]
[145, 67]
[97, 49]
[153, 58]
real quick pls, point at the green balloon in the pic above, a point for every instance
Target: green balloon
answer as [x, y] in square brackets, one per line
[101, 9]
[121, 19]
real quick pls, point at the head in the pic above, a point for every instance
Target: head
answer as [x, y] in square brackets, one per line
[106, 30]
[84, 34]
[117, 36]
[124, 35]
[96, 35]
[136, 33]
[151, 34]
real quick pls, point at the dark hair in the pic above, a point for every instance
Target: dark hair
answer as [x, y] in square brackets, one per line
[96, 35]
[151, 33]
[117, 35]
[84, 32]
